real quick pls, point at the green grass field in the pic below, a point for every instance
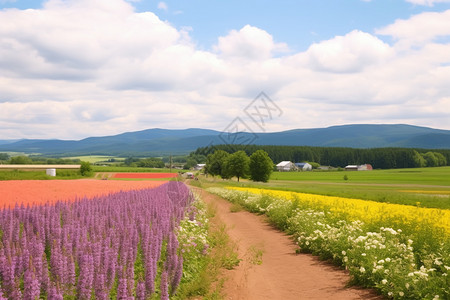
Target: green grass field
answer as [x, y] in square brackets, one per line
[426, 187]
[419, 176]
[38, 175]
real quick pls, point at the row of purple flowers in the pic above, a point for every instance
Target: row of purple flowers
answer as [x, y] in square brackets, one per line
[120, 246]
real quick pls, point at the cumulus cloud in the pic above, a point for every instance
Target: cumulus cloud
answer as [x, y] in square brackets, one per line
[78, 68]
[419, 29]
[250, 43]
[349, 53]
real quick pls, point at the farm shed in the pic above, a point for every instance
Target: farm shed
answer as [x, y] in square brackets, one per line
[199, 167]
[303, 166]
[286, 166]
[351, 168]
[365, 167]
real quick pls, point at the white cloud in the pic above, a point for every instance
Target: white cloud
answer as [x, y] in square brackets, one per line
[427, 2]
[249, 43]
[119, 70]
[163, 6]
[419, 29]
[349, 53]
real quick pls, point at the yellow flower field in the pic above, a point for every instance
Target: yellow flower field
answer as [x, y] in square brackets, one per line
[366, 211]
[443, 193]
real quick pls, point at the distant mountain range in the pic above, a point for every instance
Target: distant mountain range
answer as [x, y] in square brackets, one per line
[165, 141]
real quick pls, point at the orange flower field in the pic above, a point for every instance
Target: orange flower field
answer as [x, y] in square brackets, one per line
[42, 191]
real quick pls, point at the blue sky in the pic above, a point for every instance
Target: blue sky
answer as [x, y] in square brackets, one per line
[76, 68]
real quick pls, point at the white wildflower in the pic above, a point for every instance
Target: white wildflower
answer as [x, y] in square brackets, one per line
[362, 270]
[384, 281]
[401, 294]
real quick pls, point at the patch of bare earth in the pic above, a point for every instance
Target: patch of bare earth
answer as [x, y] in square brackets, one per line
[270, 268]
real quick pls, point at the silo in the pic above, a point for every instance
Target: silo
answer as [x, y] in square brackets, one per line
[50, 172]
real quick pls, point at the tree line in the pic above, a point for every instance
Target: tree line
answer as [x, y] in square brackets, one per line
[257, 167]
[380, 158]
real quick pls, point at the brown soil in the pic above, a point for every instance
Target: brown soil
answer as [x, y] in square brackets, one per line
[280, 273]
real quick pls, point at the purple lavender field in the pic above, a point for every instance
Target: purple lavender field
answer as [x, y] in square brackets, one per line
[121, 246]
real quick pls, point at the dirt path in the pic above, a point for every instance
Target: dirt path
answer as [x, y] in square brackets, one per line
[280, 273]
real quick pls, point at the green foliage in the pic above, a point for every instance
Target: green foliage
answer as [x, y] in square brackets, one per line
[314, 165]
[431, 159]
[419, 161]
[20, 160]
[151, 162]
[86, 168]
[4, 156]
[215, 163]
[190, 163]
[442, 161]
[261, 166]
[237, 165]
[379, 158]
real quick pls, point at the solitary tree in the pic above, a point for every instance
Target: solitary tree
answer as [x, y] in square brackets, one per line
[261, 166]
[215, 163]
[237, 164]
[85, 168]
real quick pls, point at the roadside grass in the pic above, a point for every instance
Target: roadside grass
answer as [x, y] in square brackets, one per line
[222, 255]
[255, 254]
[39, 175]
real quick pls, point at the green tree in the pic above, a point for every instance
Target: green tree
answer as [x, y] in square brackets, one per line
[442, 161]
[237, 164]
[418, 159]
[215, 163]
[261, 166]
[86, 168]
[190, 163]
[431, 159]
[4, 156]
[20, 160]
[151, 162]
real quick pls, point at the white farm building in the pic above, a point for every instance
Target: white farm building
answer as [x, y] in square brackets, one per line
[286, 166]
[304, 166]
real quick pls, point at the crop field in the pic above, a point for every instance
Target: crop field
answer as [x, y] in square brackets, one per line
[93, 159]
[402, 251]
[144, 243]
[145, 175]
[33, 192]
